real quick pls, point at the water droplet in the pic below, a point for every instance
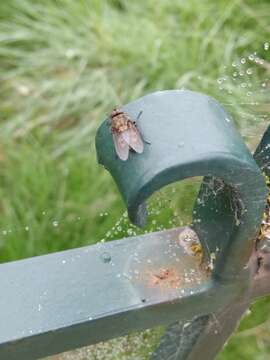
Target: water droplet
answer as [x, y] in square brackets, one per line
[186, 325]
[251, 57]
[55, 223]
[249, 71]
[4, 232]
[258, 60]
[129, 231]
[106, 257]
[266, 46]
[64, 261]
[243, 61]
[26, 228]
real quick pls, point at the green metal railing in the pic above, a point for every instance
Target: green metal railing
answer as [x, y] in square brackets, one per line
[57, 302]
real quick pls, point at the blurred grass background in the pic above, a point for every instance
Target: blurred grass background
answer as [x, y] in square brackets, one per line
[65, 64]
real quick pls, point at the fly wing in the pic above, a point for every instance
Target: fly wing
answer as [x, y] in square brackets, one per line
[126, 136]
[135, 139]
[121, 146]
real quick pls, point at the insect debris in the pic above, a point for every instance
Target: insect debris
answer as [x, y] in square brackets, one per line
[125, 134]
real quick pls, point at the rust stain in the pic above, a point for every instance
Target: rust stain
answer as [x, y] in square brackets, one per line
[164, 278]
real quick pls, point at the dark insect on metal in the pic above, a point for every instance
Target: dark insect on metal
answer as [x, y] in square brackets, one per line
[125, 134]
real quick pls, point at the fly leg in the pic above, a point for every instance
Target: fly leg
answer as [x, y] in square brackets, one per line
[139, 115]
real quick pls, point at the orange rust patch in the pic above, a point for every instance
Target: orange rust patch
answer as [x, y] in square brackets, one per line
[164, 278]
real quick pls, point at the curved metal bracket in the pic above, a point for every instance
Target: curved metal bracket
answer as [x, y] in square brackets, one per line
[191, 135]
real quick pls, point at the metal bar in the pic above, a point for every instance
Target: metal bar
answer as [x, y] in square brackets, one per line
[61, 301]
[201, 338]
[73, 298]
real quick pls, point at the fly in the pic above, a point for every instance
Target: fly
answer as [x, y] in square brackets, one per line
[125, 134]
